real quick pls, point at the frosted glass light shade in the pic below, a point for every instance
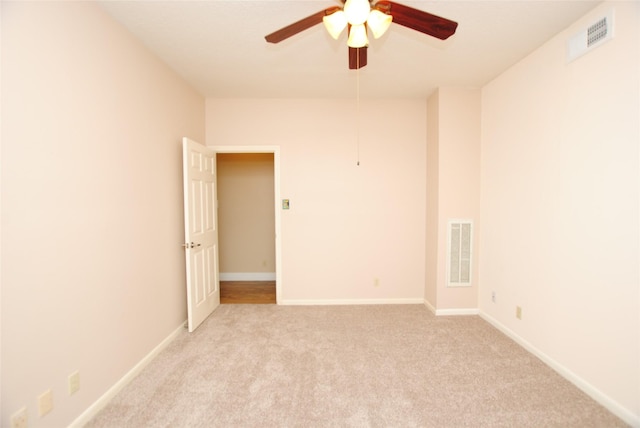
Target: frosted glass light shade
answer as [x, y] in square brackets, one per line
[358, 36]
[357, 11]
[335, 23]
[378, 22]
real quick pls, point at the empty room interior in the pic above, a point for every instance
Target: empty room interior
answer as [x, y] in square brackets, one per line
[489, 176]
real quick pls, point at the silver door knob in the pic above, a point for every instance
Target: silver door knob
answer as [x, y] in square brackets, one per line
[191, 245]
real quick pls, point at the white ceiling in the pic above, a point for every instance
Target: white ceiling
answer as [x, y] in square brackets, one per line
[219, 47]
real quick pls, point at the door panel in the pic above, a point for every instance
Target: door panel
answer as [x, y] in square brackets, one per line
[201, 233]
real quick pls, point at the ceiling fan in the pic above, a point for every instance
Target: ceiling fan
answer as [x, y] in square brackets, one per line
[360, 15]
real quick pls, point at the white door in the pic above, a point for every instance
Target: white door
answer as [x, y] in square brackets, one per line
[201, 231]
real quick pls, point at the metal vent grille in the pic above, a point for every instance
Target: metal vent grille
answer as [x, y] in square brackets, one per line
[590, 37]
[597, 32]
[459, 266]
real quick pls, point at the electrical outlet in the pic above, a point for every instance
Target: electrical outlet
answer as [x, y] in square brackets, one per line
[45, 402]
[493, 296]
[376, 282]
[74, 382]
[19, 419]
[518, 312]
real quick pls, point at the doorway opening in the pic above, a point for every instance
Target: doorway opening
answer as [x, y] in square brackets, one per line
[249, 223]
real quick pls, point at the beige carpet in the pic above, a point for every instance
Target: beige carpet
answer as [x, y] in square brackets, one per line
[348, 366]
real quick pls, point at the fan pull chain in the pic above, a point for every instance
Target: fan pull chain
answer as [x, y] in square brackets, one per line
[358, 107]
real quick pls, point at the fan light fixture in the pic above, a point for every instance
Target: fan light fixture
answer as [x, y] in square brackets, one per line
[358, 15]
[379, 22]
[358, 36]
[357, 11]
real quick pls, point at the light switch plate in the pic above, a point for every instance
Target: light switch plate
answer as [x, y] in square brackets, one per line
[74, 382]
[45, 402]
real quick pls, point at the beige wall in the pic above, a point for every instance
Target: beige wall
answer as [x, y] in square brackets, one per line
[560, 207]
[348, 225]
[246, 219]
[432, 264]
[453, 183]
[92, 268]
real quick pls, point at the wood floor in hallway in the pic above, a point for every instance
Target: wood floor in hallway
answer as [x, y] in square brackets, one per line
[254, 292]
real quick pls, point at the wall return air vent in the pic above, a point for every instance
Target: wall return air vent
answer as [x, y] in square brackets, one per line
[591, 37]
[459, 254]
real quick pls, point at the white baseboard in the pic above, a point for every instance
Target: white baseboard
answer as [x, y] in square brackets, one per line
[407, 301]
[247, 276]
[613, 406]
[460, 311]
[93, 410]
[445, 312]
[430, 307]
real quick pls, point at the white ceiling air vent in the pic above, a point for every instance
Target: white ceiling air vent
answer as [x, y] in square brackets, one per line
[591, 37]
[459, 254]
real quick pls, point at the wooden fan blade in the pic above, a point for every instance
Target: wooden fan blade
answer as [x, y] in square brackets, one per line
[296, 27]
[418, 20]
[357, 58]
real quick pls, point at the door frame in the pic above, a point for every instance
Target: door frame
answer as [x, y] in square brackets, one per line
[276, 194]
